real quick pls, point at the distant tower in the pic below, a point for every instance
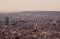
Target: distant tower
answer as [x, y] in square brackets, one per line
[6, 20]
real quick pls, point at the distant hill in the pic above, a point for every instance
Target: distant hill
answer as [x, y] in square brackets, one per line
[49, 13]
[42, 12]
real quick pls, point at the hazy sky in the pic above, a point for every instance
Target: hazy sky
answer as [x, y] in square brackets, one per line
[29, 5]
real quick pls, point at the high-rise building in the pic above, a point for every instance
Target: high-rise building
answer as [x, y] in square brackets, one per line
[6, 20]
